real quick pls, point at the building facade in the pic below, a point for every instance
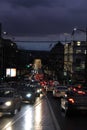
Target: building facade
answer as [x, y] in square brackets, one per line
[75, 59]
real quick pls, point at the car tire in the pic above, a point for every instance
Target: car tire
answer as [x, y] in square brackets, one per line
[32, 101]
[67, 112]
[13, 112]
[38, 95]
[19, 108]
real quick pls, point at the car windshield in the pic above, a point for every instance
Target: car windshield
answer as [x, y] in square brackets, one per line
[30, 89]
[61, 87]
[6, 93]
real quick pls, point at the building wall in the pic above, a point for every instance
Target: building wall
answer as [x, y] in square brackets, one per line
[74, 58]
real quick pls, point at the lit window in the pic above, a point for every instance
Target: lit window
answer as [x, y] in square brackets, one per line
[85, 51]
[78, 43]
[78, 51]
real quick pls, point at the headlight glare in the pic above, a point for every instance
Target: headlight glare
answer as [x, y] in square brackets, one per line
[28, 95]
[38, 90]
[8, 103]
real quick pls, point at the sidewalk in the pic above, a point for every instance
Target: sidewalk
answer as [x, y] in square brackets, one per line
[47, 120]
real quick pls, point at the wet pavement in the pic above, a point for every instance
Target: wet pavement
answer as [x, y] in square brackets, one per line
[32, 117]
[47, 121]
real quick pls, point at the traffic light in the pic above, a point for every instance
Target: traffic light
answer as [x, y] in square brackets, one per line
[28, 66]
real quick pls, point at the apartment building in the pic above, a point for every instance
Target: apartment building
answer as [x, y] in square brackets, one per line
[75, 59]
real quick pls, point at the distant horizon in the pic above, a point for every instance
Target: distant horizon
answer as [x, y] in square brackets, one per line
[43, 43]
[35, 45]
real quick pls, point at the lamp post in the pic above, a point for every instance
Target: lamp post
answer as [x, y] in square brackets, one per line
[81, 30]
[84, 31]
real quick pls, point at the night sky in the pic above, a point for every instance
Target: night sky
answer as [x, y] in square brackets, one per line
[42, 19]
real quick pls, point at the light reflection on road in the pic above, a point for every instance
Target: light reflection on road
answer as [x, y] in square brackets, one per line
[38, 116]
[8, 126]
[28, 120]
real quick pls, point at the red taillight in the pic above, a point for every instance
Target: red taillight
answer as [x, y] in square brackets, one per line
[79, 86]
[56, 90]
[74, 89]
[71, 100]
[81, 92]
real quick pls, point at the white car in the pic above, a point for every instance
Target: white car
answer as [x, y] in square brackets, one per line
[59, 91]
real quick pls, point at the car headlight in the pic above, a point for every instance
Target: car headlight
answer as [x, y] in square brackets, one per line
[8, 103]
[28, 95]
[38, 90]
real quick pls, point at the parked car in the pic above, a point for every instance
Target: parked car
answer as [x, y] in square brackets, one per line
[74, 100]
[10, 101]
[28, 94]
[59, 91]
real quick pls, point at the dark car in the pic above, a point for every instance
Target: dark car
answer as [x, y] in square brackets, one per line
[10, 101]
[38, 88]
[74, 100]
[28, 94]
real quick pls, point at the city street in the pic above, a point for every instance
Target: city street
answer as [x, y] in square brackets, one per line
[43, 65]
[76, 121]
[31, 117]
[45, 114]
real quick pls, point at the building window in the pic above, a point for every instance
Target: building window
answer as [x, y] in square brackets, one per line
[65, 58]
[70, 58]
[85, 52]
[78, 51]
[78, 43]
[78, 61]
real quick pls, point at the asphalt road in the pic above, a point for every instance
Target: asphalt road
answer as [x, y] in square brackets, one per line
[31, 117]
[76, 121]
[34, 117]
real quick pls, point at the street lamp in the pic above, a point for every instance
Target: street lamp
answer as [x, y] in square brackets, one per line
[84, 31]
[81, 30]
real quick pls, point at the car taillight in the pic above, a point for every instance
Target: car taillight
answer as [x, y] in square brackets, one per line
[81, 92]
[79, 86]
[56, 90]
[71, 100]
[74, 89]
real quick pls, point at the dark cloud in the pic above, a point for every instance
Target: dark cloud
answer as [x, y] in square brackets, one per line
[42, 17]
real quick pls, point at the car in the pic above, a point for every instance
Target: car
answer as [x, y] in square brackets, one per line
[10, 101]
[75, 86]
[59, 91]
[49, 86]
[28, 94]
[74, 100]
[37, 86]
[38, 90]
